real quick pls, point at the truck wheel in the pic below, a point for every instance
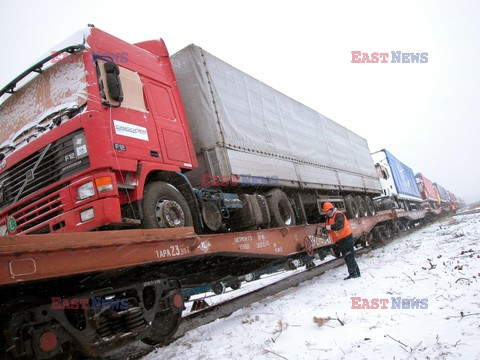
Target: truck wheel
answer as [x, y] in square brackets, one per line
[281, 211]
[362, 207]
[164, 207]
[351, 207]
[236, 285]
[218, 288]
[370, 206]
[251, 277]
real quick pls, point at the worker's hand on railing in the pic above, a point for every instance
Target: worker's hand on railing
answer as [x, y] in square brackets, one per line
[324, 233]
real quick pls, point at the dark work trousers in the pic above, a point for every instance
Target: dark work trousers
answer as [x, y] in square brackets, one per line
[348, 252]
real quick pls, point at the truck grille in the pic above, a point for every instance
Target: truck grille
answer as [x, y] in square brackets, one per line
[35, 214]
[58, 161]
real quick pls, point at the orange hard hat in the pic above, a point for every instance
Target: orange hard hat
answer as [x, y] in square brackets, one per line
[327, 206]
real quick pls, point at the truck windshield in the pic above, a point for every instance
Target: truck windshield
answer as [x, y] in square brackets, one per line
[33, 109]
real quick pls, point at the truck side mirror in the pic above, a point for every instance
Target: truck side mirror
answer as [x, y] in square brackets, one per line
[114, 85]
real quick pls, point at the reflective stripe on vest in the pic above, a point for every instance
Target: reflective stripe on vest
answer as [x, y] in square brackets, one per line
[337, 235]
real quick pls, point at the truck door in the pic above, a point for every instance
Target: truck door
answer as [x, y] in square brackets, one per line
[171, 133]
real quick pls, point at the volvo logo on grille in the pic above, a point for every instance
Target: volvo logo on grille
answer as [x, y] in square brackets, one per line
[29, 175]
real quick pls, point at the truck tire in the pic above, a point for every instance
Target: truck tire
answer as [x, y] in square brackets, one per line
[362, 207]
[218, 288]
[251, 277]
[370, 206]
[164, 207]
[351, 207]
[281, 211]
[236, 285]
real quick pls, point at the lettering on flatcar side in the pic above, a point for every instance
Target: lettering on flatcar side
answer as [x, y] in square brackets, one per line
[242, 239]
[152, 282]
[318, 241]
[244, 246]
[278, 249]
[261, 237]
[263, 244]
[172, 251]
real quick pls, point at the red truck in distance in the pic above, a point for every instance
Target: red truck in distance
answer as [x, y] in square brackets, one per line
[427, 190]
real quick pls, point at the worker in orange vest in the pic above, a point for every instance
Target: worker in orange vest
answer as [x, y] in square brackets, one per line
[453, 208]
[340, 232]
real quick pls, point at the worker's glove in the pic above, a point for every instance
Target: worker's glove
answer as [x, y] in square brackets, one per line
[324, 233]
[328, 227]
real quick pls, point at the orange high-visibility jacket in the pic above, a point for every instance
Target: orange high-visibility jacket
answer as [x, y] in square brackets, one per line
[338, 235]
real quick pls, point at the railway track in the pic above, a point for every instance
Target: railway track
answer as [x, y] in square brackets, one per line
[226, 308]
[469, 212]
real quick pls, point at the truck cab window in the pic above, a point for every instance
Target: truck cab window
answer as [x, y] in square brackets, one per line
[382, 172]
[132, 96]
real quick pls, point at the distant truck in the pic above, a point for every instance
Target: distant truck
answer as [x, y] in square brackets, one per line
[442, 196]
[100, 135]
[399, 187]
[427, 190]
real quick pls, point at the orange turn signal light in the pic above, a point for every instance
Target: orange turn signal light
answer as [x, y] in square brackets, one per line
[104, 183]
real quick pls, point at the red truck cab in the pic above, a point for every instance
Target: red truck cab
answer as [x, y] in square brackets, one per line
[80, 140]
[427, 190]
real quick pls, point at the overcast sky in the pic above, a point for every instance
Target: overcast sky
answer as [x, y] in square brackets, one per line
[426, 114]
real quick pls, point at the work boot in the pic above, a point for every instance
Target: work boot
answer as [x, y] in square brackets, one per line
[351, 277]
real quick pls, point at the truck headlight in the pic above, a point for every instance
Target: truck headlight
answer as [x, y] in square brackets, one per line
[85, 191]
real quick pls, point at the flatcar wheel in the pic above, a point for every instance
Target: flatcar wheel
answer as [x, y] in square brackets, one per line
[376, 237]
[24, 339]
[164, 327]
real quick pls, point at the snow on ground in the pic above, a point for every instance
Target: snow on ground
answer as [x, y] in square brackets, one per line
[438, 265]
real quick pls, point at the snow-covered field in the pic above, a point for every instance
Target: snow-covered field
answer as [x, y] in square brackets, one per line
[439, 266]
